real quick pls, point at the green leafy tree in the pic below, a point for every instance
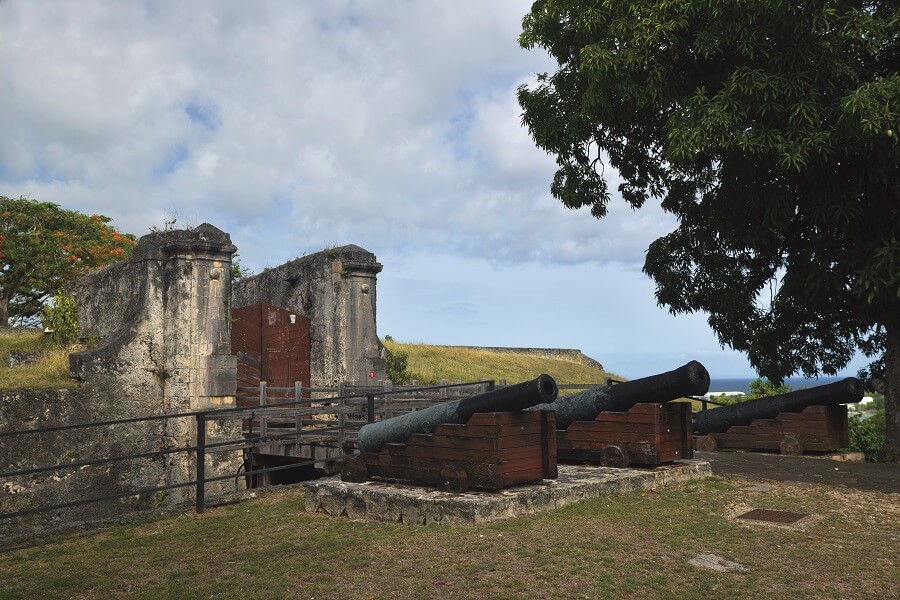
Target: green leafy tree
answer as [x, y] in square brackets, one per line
[769, 129]
[60, 317]
[867, 435]
[762, 388]
[397, 363]
[239, 271]
[42, 247]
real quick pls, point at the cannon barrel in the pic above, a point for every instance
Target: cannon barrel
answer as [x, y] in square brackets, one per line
[688, 380]
[718, 420]
[373, 436]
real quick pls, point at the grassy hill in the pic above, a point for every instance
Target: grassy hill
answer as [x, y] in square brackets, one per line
[51, 371]
[430, 364]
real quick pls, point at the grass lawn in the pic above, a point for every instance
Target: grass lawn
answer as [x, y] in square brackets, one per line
[51, 371]
[631, 546]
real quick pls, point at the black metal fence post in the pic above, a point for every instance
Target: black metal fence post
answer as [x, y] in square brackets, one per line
[201, 462]
[370, 408]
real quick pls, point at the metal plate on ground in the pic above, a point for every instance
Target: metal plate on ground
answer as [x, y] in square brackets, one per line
[782, 517]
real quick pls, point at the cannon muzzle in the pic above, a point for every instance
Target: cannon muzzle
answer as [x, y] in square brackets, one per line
[688, 380]
[373, 436]
[718, 420]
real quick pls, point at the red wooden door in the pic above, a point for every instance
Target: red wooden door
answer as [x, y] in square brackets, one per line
[271, 344]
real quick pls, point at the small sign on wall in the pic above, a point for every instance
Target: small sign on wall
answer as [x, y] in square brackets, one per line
[371, 374]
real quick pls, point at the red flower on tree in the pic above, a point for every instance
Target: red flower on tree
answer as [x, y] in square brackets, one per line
[49, 246]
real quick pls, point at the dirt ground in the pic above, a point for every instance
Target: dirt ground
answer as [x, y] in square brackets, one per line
[874, 477]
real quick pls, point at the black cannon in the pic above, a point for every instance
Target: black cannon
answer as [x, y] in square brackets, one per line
[718, 420]
[688, 380]
[373, 436]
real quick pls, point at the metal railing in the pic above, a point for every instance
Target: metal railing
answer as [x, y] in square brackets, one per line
[705, 401]
[272, 415]
[336, 417]
[199, 450]
[350, 407]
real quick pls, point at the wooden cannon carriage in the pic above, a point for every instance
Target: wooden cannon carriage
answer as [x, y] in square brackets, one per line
[491, 451]
[486, 441]
[809, 420]
[630, 423]
[645, 435]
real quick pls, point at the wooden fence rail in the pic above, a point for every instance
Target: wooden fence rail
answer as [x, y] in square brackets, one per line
[341, 409]
[337, 412]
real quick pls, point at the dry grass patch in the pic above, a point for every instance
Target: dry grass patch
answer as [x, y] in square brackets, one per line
[51, 371]
[452, 363]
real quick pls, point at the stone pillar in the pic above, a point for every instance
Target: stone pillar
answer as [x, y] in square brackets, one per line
[163, 322]
[201, 372]
[361, 349]
[197, 320]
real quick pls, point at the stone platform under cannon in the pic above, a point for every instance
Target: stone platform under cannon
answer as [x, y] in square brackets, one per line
[412, 504]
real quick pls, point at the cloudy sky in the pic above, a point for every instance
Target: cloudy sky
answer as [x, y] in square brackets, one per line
[295, 126]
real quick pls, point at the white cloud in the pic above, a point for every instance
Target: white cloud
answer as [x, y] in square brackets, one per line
[296, 125]
[397, 118]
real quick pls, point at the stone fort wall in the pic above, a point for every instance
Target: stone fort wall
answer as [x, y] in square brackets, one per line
[162, 327]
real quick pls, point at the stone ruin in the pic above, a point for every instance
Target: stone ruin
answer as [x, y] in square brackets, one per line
[162, 321]
[335, 289]
[161, 326]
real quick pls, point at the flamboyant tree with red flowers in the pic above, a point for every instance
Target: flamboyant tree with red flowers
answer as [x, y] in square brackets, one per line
[43, 246]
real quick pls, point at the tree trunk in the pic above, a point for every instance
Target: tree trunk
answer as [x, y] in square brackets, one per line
[4, 312]
[891, 452]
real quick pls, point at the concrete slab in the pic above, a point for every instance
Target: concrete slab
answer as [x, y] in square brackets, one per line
[400, 503]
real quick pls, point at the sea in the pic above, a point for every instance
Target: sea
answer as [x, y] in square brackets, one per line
[742, 384]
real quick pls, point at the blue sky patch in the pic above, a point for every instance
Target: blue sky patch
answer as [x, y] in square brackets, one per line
[175, 156]
[42, 173]
[205, 115]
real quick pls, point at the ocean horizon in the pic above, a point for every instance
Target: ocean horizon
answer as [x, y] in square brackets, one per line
[742, 384]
